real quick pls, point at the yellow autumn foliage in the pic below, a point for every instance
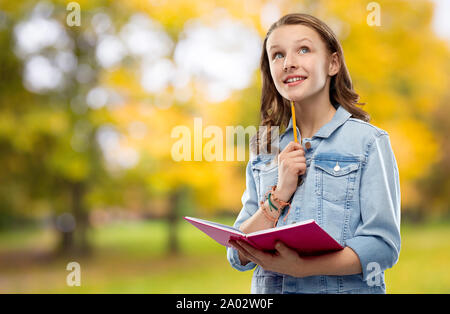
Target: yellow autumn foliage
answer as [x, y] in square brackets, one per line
[398, 69]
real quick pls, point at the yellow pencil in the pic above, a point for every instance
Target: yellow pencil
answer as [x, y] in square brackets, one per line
[294, 127]
[294, 123]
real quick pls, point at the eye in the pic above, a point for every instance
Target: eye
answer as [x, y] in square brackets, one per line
[275, 54]
[304, 49]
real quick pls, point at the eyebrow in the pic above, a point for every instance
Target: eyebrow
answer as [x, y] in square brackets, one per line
[296, 41]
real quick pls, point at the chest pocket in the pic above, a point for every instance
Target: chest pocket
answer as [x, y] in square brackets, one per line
[266, 175]
[336, 176]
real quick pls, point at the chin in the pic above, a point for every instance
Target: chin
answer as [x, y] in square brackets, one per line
[295, 97]
[302, 98]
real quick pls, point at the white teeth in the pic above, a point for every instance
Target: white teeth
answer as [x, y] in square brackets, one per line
[294, 79]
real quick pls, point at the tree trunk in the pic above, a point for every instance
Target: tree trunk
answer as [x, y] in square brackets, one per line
[74, 227]
[172, 218]
[67, 243]
[81, 217]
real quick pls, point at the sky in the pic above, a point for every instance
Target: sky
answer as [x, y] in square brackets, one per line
[441, 21]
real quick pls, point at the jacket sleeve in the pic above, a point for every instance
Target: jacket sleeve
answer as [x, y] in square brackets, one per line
[377, 238]
[249, 207]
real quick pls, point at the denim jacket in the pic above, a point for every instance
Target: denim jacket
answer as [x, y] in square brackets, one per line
[351, 188]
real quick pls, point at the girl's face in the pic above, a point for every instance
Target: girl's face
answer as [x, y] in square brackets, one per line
[301, 51]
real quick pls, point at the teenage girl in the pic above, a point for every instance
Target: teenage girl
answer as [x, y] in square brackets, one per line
[342, 172]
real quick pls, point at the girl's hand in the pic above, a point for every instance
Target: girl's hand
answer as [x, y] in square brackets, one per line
[284, 261]
[291, 164]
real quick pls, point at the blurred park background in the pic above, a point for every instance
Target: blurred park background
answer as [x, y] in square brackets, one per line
[88, 104]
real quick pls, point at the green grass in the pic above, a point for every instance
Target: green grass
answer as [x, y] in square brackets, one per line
[423, 266]
[129, 257]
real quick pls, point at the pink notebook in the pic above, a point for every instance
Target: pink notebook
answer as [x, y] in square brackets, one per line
[307, 237]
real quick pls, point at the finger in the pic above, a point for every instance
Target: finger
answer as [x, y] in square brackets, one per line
[282, 248]
[239, 248]
[232, 243]
[296, 167]
[301, 169]
[295, 153]
[299, 160]
[245, 253]
[295, 159]
[286, 154]
[248, 248]
[257, 254]
[292, 155]
[284, 251]
[291, 147]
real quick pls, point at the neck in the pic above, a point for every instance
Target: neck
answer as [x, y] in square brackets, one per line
[312, 115]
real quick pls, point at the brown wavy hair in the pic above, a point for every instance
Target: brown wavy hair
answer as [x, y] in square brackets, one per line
[275, 109]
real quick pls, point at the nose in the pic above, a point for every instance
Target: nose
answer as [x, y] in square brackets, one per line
[288, 63]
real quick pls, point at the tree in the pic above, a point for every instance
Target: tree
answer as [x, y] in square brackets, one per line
[48, 138]
[84, 124]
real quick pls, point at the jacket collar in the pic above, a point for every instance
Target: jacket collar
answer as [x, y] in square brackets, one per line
[340, 117]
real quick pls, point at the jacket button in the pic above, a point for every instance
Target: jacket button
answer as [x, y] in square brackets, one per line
[308, 145]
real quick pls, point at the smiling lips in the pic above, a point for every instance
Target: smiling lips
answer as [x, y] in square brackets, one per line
[294, 80]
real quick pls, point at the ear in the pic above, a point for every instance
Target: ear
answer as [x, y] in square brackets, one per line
[334, 65]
